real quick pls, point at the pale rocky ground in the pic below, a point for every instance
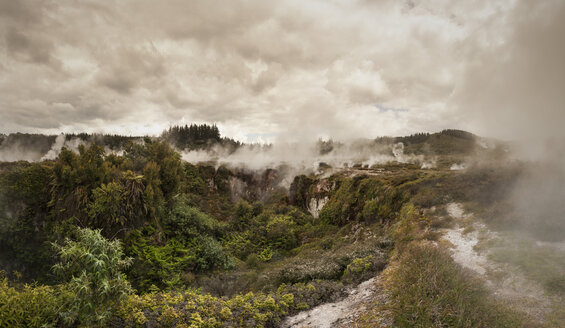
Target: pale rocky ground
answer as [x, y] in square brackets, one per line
[514, 288]
[342, 313]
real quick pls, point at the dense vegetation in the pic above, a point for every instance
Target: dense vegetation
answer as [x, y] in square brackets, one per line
[81, 223]
[441, 143]
[32, 147]
[144, 239]
[197, 137]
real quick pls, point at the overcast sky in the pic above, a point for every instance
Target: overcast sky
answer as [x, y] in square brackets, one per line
[291, 69]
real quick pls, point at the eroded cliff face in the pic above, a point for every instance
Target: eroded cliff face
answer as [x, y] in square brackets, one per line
[316, 204]
[254, 186]
[310, 193]
[307, 192]
[319, 195]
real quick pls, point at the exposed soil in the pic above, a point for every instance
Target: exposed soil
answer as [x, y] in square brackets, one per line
[344, 312]
[508, 285]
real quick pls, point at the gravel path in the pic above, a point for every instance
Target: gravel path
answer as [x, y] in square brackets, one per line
[338, 313]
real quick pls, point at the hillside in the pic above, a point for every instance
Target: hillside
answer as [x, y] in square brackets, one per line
[122, 232]
[37, 147]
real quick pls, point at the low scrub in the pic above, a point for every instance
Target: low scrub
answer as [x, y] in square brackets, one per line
[29, 305]
[428, 289]
[361, 269]
[192, 309]
[331, 264]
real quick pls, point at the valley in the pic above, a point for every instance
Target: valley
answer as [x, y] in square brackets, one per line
[206, 244]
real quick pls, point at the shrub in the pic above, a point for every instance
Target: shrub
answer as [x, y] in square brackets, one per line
[186, 222]
[243, 215]
[241, 245]
[308, 295]
[29, 305]
[252, 260]
[370, 211]
[360, 269]
[157, 265]
[92, 266]
[108, 208]
[161, 264]
[211, 255]
[312, 262]
[406, 228]
[280, 232]
[190, 308]
[362, 198]
[305, 270]
[266, 255]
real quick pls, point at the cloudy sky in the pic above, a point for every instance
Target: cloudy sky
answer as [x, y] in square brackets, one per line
[292, 69]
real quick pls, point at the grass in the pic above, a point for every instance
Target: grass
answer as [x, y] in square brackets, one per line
[428, 289]
[542, 264]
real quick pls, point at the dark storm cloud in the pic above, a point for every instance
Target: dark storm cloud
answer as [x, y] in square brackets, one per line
[21, 23]
[22, 12]
[28, 48]
[126, 69]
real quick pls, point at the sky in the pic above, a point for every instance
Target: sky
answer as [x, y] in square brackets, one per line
[284, 70]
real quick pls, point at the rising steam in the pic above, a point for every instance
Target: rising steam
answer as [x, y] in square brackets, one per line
[303, 156]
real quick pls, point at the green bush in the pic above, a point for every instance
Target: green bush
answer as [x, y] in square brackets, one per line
[240, 244]
[211, 255]
[313, 261]
[108, 207]
[30, 305]
[359, 270]
[91, 267]
[243, 215]
[266, 255]
[161, 264]
[196, 231]
[370, 211]
[156, 265]
[281, 232]
[308, 269]
[185, 222]
[190, 308]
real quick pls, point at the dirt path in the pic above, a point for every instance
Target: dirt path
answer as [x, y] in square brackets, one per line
[514, 289]
[337, 314]
[464, 243]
